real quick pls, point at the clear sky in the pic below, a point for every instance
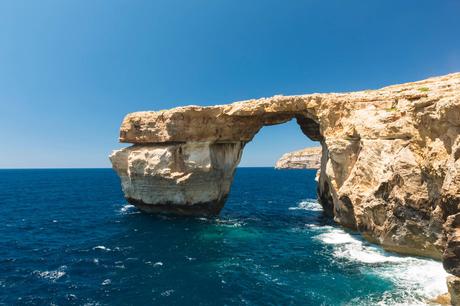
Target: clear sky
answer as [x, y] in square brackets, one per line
[70, 70]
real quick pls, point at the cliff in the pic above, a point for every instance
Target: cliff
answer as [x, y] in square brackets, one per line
[308, 158]
[390, 164]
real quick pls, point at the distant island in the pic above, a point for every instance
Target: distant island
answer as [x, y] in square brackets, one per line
[308, 158]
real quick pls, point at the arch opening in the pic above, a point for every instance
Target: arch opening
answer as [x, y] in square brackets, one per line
[274, 140]
[281, 137]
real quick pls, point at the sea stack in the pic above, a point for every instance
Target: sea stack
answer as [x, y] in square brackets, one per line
[390, 162]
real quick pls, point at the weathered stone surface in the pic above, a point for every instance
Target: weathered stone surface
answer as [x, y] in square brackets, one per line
[308, 158]
[443, 299]
[453, 285]
[193, 178]
[451, 255]
[390, 163]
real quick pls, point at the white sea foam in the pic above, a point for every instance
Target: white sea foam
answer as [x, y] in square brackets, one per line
[71, 297]
[319, 228]
[52, 275]
[308, 204]
[106, 282]
[353, 248]
[167, 292]
[336, 236]
[128, 209]
[416, 280]
[229, 222]
[101, 247]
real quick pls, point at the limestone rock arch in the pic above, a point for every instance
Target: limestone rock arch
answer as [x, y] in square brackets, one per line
[184, 159]
[390, 166]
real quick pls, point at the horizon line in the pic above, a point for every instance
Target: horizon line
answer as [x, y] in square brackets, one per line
[96, 168]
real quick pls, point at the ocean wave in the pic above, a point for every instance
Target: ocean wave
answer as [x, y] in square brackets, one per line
[102, 248]
[52, 275]
[154, 264]
[416, 280]
[167, 292]
[128, 209]
[309, 204]
[318, 228]
[106, 282]
[348, 246]
[229, 222]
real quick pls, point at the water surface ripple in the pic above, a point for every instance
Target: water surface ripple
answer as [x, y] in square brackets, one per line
[68, 237]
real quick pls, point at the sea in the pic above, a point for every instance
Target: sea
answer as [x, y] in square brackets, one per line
[68, 237]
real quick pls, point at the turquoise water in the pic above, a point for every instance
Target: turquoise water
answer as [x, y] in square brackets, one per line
[68, 237]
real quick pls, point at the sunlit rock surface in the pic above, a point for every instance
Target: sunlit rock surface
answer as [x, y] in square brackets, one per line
[390, 163]
[191, 178]
[308, 158]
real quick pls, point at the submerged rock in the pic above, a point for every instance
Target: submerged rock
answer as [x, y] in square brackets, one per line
[308, 158]
[390, 164]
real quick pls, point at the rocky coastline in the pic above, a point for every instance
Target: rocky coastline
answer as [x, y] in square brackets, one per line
[390, 163]
[308, 158]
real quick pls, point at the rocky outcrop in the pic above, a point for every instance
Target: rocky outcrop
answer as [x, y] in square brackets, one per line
[190, 178]
[453, 285]
[308, 158]
[390, 164]
[451, 255]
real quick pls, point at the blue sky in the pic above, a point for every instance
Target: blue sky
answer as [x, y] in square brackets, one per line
[70, 70]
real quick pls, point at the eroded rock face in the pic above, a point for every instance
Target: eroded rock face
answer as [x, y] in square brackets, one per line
[191, 178]
[308, 158]
[451, 255]
[390, 163]
[453, 285]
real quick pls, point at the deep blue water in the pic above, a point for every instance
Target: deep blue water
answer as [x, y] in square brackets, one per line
[68, 237]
